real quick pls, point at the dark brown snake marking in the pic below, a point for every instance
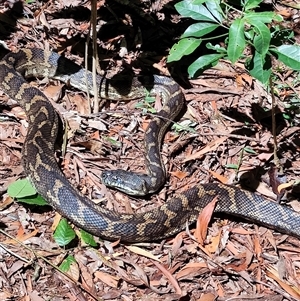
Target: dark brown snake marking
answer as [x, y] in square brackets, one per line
[41, 167]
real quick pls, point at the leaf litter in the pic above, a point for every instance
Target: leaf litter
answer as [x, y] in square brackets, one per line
[221, 259]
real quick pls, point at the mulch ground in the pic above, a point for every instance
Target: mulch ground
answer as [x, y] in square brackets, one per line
[225, 134]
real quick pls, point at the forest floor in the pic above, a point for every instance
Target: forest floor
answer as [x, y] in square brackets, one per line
[224, 134]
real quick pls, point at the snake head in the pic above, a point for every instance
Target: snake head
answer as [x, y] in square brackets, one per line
[126, 181]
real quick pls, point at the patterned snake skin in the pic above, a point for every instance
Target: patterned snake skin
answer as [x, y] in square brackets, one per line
[43, 171]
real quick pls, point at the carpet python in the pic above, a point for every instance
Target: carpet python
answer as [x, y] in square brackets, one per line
[41, 167]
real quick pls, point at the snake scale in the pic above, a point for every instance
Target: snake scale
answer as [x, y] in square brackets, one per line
[41, 167]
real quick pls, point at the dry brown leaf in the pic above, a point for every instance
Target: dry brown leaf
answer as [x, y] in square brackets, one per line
[295, 205]
[179, 174]
[257, 246]
[264, 157]
[203, 221]
[191, 268]
[232, 249]
[96, 135]
[142, 276]
[56, 221]
[72, 3]
[81, 104]
[112, 281]
[73, 271]
[238, 266]
[171, 278]
[84, 26]
[17, 265]
[115, 243]
[97, 124]
[263, 189]
[207, 297]
[239, 80]
[247, 78]
[5, 296]
[177, 242]
[145, 124]
[213, 246]
[43, 20]
[34, 296]
[220, 290]
[85, 271]
[249, 257]
[74, 122]
[193, 112]
[21, 236]
[142, 252]
[285, 185]
[6, 202]
[284, 12]
[219, 177]
[282, 267]
[270, 237]
[288, 287]
[214, 106]
[18, 112]
[93, 145]
[208, 148]
[27, 236]
[53, 92]
[240, 230]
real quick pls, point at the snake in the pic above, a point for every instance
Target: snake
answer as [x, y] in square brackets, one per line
[41, 167]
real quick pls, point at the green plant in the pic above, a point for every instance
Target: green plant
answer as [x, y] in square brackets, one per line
[23, 191]
[147, 104]
[257, 30]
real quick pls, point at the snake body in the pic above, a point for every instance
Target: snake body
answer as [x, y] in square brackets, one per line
[41, 167]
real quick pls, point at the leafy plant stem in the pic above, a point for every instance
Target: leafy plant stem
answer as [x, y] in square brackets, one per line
[239, 164]
[215, 37]
[231, 7]
[242, 27]
[276, 160]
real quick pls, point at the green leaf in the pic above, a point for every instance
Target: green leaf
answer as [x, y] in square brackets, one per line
[199, 29]
[185, 125]
[197, 12]
[204, 62]
[289, 55]
[287, 116]
[260, 67]
[249, 150]
[33, 200]
[24, 192]
[264, 17]
[112, 141]
[64, 233]
[20, 189]
[214, 7]
[66, 264]
[262, 38]
[88, 238]
[236, 42]
[217, 48]
[232, 166]
[250, 4]
[183, 47]
[198, 2]
[249, 34]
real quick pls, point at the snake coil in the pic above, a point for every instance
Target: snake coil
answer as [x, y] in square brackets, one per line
[43, 171]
